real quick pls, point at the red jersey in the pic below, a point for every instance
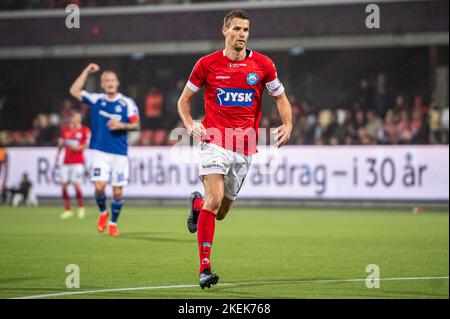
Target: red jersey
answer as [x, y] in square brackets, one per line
[74, 137]
[233, 95]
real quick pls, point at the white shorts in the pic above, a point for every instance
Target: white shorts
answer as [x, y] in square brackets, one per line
[72, 173]
[234, 166]
[108, 167]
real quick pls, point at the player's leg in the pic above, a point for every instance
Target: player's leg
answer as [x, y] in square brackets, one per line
[213, 159]
[224, 208]
[116, 206]
[100, 176]
[214, 190]
[119, 175]
[80, 201]
[100, 198]
[197, 202]
[76, 181]
[66, 200]
[65, 179]
[233, 182]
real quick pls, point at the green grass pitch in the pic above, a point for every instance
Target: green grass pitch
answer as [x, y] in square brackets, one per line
[258, 253]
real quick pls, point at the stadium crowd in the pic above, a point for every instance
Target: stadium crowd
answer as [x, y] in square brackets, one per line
[372, 116]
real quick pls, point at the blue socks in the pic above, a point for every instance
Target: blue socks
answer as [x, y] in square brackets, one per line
[116, 206]
[101, 202]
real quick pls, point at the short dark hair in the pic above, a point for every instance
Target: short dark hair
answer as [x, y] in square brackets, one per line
[241, 14]
[74, 111]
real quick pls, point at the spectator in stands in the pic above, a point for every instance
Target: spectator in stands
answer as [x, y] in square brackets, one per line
[326, 122]
[399, 106]
[309, 129]
[434, 122]
[404, 131]
[45, 132]
[374, 125]
[417, 125]
[364, 96]
[390, 128]
[380, 95]
[359, 120]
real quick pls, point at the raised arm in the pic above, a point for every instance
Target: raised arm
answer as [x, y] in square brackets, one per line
[77, 86]
[285, 111]
[184, 110]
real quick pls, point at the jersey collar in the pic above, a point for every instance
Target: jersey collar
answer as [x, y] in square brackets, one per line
[118, 96]
[248, 56]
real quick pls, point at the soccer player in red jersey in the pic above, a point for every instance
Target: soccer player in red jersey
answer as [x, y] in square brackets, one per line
[74, 139]
[234, 81]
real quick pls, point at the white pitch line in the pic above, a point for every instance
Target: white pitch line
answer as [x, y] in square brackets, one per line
[85, 292]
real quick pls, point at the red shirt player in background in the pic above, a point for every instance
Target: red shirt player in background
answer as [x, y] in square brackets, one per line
[234, 81]
[74, 139]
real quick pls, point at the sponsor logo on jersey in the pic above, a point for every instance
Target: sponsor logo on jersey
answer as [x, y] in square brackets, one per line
[222, 77]
[252, 78]
[237, 65]
[116, 117]
[235, 97]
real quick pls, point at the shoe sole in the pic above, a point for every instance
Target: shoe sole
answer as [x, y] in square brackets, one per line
[210, 282]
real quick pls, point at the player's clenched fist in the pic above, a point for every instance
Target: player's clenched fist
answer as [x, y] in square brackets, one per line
[196, 129]
[92, 68]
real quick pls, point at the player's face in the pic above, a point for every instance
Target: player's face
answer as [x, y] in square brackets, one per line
[236, 35]
[110, 83]
[76, 119]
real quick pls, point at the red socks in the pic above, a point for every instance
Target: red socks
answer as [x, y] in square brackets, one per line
[205, 234]
[79, 198]
[198, 204]
[66, 200]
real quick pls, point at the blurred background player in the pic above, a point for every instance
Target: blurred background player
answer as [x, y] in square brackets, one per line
[74, 139]
[234, 81]
[112, 116]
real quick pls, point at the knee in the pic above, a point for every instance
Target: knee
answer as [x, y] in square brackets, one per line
[213, 202]
[99, 189]
[117, 193]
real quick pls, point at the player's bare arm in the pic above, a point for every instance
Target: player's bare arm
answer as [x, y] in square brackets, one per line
[77, 86]
[184, 110]
[283, 132]
[114, 125]
[58, 152]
